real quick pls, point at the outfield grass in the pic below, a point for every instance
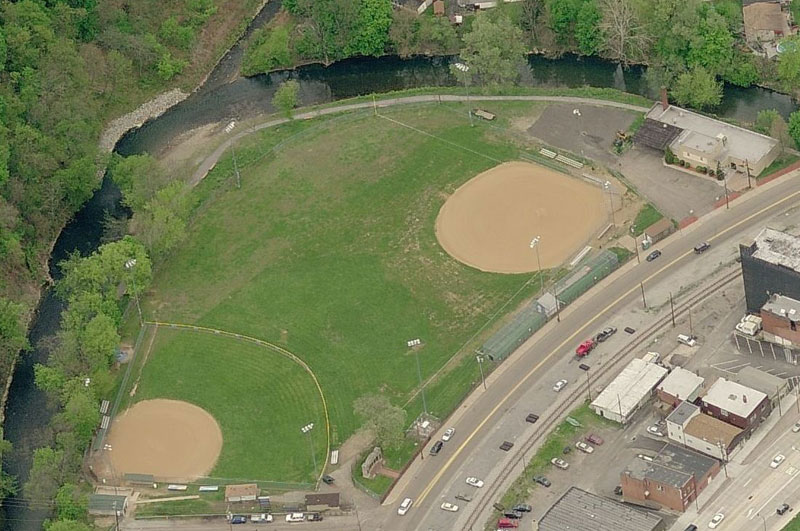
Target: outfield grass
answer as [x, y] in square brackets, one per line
[328, 249]
[646, 217]
[259, 398]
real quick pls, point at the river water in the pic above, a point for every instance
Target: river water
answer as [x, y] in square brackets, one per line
[224, 97]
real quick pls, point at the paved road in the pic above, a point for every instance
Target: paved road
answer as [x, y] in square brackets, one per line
[523, 383]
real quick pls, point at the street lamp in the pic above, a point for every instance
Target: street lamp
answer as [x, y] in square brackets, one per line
[607, 186]
[535, 245]
[465, 68]
[480, 364]
[307, 430]
[129, 265]
[764, 520]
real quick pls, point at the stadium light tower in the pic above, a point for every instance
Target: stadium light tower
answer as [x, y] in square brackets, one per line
[535, 245]
[307, 430]
[462, 67]
[607, 186]
[129, 265]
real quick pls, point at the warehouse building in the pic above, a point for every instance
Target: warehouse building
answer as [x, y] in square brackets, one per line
[578, 510]
[629, 391]
[771, 264]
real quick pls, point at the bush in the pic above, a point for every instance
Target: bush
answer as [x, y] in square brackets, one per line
[669, 156]
[267, 50]
[701, 169]
[682, 163]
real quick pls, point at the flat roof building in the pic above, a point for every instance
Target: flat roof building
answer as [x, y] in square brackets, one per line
[779, 320]
[628, 391]
[239, 493]
[578, 510]
[769, 384]
[770, 265]
[107, 504]
[680, 385]
[735, 404]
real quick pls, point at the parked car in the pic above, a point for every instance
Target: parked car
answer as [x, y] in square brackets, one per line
[263, 517]
[583, 447]
[506, 446]
[295, 517]
[402, 510]
[238, 519]
[328, 480]
[448, 434]
[585, 348]
[606, 333]
[541, 480]
[560, 463]
[629, 330]
[796, 427]
[701, 247]
[437, 447]
[783, 508]
[689, 341]
[515, 515]
[464, 497]
[507, 523]
[595, 439]
[522, 508]
[561, 384]
[532, 418]
[652, 256]
[777, 460]
[447, 506]
[645, 457]
[691, 527]
[584, 367]
[314, 517]
[474, 482]
[716, 520]
[655, 430]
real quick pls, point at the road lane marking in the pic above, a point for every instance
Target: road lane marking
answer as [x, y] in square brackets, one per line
[775, 494]
[579, 332]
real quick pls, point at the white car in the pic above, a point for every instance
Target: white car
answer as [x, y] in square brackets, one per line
[560, 463]
[716, 520]
[263, 517]
[796, 427]
[295, 517]
[446, 506]
[474, 482]
[645, 457]
[777, 460]
[561, 384]
[405, 506]
[653, 430]
[447, 435]
[583, 447]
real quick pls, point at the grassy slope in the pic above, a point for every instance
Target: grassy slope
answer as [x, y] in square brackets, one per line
[329, 246]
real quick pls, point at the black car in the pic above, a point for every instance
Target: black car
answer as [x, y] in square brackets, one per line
[629, 330]
[516, 515]
[532, 418]
[238, 519]
[522, 508]
[691, 527]
[437, 447]
[701, 247]
[652, 256]
[314, 517]
[605, 334]
[328, 480]
[541, 480]
[464, 497]
[783, 508]
[506, 446]
[584, 367]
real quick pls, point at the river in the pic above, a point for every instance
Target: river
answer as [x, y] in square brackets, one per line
[225, 97]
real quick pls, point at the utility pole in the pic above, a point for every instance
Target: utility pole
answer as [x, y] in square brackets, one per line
[672, 309]
[691, 330]
[480, 365]
[589, 387]
[636, 246]
[747, 166]
[780, 409]
[724, 456]
[558, 306]
[129, 265]
[535, 244]
[644, 302]
[725, 185]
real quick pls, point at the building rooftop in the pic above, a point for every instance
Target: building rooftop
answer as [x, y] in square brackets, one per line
[681, 383]
[712, 430]
[578, 510]
[683, 413]
[672, 466]
[658, 227]
[759, 380]
[701, 142]
[779, 248]
[101, 503]
[635, 381]
[656, 135]
[733, 397]
[740, 143]
[764, 16]
[785, 307]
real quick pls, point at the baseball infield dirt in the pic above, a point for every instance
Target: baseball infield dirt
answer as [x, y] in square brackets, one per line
[489, 222]
[167, 438]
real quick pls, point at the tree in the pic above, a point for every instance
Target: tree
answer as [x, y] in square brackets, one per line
[161, 224]
[436, 36]
[789, 65]
[386, 420]
[12, 333]
[71, 503]
[779, 130]
[138, 178]
[697, 88]
[532, 10]
[625, 37]
[285, 97]
[371, 27]
[267, 50]
[47, 473]
[587, 28]
[81, 412]
[66, 525]
[562, 15]
[764, 120]
[494, 50]
[712, 46]
[403, 32]
[794, 127]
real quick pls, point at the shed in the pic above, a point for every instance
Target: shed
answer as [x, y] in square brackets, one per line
[546, 304]
[107, 504]
[240, 493]
[659, 230]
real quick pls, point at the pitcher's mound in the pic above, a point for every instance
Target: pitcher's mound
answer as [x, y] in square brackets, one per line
[170, 439]
[489, 222]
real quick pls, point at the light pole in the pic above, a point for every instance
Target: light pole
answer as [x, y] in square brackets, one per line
[462, 67]
[129, 265]
[535, 245]
[480, 364]
[607, 186]
[763, 520]
[307, 430]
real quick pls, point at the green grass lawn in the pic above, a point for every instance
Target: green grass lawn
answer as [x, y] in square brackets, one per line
[259, 398]
[778, 164]
[646, 217]
[793, 525]
[329, 250]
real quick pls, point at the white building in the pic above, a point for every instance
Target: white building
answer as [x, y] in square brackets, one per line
[680, 385]
[630, 389]
[689, 427]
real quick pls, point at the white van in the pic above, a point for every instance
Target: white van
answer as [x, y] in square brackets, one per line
[405, 506]
[687, 340]
[295, 517]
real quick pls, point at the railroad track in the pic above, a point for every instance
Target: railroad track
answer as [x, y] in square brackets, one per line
[578, 392]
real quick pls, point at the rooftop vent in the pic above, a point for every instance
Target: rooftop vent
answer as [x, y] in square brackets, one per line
[731, 397]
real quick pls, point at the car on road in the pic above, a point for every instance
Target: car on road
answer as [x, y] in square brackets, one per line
[464, 497]
[559, 463]
[716, 520]
[689, 341]
[451, 507]
[295, 517]
[585, 348]
[532, 418]
[561, 384]
[701, 247]
[506, 446]
[629, 330]
[437, 447]
[328, 480]
[605, 333]
[402, 510]
[777, 460]
[474, 482]
[522, 508]
[238, 519]
[655, 430]
[652, 256]
[263, 517]
[448, 434]
[584, 367]
[595, 439]
[796, 427]
[783, 508]
[541, 480]
[583, 447]
[314, 517]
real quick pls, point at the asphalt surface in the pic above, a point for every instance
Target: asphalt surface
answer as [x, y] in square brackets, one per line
[524, 382]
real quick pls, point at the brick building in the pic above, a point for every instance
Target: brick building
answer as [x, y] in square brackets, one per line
[578, 510]
[771, 264]
[679, 385]
[688, 427]
[779, 320]
[736, 404]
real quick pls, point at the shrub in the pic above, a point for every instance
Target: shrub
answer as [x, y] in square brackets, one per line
[669, 156]
[682, 163]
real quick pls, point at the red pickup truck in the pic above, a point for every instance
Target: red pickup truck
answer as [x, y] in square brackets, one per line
[585, 348]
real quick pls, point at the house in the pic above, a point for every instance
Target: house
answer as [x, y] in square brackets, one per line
[764, 22]
[107, 504]
[779, 320]
[704, 141]
[658, 230]
[679, 385]
[673, 479]
[735, 404]
[578, 510]
[240, 493]
[632, 387]
[688, 427]
[770, 264]
[769, 384]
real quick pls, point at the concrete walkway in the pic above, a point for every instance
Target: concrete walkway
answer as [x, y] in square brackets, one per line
[212, 159]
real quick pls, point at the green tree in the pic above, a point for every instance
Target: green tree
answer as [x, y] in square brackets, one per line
[12, 332]
[371, 27]
[780, 132]
[436, 36]
[138, 177]
[49, 379]
[46, 475]
[794, 127]
[587, 28]
[161, 224]
[403, 32]
[789, 66]
[562, 15]
[66, 525]
[741, 71]
[494, 50]
[764, 120]
[384, 419]
[267, 50]
[697, 88]
[71, 503]
[81, 412]
[285, 97]
[712, 46]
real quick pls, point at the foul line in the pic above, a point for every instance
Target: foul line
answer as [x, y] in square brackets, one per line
[280, 350]
[572, 337]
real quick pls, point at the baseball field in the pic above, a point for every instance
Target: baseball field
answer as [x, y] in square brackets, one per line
[329, 249]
